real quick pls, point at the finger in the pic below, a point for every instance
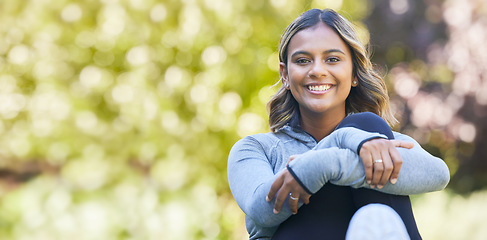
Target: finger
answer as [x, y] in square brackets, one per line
[293, 203]
[305, 198]
[368, 164]
[276, 185]
[291, 158]
[397, 160]
[402, 144]
[387, 166]
[378, 168]
[280, 198]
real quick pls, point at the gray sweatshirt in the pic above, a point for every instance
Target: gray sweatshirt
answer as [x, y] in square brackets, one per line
[256, 161]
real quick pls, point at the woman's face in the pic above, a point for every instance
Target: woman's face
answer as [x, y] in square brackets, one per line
[318, 71]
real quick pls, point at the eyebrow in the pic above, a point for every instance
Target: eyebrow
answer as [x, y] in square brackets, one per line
[334, 50]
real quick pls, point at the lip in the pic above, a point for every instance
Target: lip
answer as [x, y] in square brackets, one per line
[319, 89]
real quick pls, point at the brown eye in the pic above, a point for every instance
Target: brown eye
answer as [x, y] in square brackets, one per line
[333, 59]
[302, 61]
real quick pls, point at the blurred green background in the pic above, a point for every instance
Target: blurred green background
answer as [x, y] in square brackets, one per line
[116, 116]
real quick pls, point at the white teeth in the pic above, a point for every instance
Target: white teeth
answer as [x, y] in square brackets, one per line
[319, 87]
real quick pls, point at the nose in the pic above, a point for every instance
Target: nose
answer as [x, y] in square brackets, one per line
[318, 70]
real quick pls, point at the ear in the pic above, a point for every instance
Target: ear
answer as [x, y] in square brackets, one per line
[354, 82]
[284, 75]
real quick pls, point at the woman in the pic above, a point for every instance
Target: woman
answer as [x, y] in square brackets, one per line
[324, 150]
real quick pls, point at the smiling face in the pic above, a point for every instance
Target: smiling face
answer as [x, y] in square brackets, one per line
[318, 71]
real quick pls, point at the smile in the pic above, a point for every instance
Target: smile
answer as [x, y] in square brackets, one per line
[319, 88]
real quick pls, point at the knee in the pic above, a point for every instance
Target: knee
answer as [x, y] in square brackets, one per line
[367, 121]
[362, 118]
[376, 221]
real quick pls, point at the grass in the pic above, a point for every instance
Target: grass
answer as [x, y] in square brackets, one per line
[445, 215]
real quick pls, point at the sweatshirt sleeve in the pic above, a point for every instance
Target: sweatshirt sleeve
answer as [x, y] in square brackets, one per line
[348, 137]
[250, 176]
[420, 173]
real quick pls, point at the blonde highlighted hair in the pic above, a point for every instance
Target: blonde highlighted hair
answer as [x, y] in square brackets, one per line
[370, 95]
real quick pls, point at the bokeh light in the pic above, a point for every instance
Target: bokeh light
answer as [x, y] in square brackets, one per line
[117, 116]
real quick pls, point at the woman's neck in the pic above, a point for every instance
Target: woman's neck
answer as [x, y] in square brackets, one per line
[320, 126]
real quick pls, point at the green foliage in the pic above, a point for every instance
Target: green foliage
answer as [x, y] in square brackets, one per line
[116, 116]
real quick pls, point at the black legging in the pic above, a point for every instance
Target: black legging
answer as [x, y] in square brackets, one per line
[328, 214]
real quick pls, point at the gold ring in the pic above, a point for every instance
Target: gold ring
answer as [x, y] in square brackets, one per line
[293, 198]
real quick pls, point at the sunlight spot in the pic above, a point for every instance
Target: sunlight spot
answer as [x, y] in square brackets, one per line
[233, 44]
[458, 14]
[173, 76]
[19, 54]
[176, 77]
[462, 84]
[230, 102]
[90, 76]
[250, 123]
[278, 3]
[93, 218]
[71, 13]
[467, 132]
[138, 55]
[170, 121]
[199, 93]
[458, 51]
[139, 4]
[191, 20]
[11, 104]
[175, 218]
[114, 23]
[424, 110]
[122, 93]
[443, 114]
[158, 13]
[333, 4]
[405, 85]
[399, 7]
[213, 55]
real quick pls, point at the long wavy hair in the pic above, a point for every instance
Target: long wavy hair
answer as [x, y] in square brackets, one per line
[370, 95]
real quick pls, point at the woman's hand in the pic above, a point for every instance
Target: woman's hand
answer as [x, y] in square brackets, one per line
[287, 187]
[382, 161]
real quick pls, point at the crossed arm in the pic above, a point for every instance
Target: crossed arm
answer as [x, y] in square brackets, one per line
[251, 175]
[288, 184]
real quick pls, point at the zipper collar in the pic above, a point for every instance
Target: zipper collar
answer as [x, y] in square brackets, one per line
[294, 130]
